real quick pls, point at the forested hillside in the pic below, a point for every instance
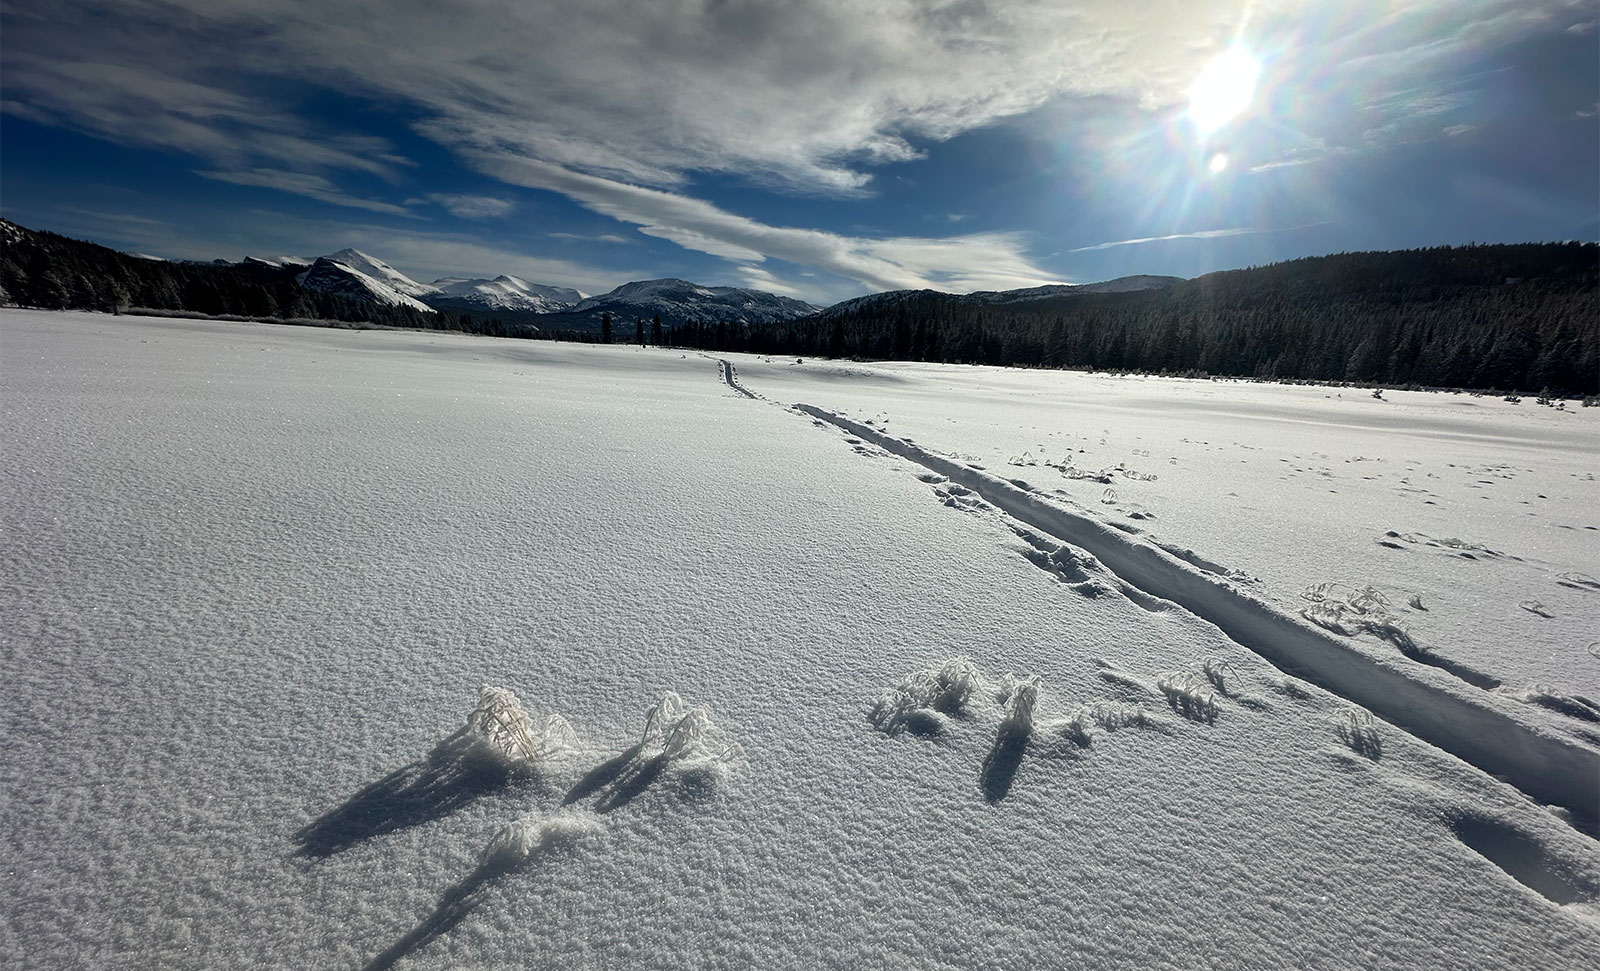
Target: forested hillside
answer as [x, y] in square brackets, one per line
[1522, 317]
[42, 269]
[1507, 317]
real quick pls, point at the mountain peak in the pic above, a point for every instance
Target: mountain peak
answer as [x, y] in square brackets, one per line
[676, 300]
[378, 270]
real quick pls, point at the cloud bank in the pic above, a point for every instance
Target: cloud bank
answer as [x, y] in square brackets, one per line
[619, 105]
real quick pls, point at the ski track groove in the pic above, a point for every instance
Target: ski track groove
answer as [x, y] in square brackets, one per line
[1481, 731]
[730, 377]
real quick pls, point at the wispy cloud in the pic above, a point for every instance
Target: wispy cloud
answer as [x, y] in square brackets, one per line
[104, 216]
[1200, 234]
[591, 238]
[305, 184]
[470, 206]
[981, 261]
[623, 106]
[809, 94]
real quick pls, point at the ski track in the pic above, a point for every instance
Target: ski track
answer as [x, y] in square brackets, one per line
[730, 377]
[1481, 730]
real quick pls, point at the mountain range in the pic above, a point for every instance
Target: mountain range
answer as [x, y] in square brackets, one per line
[350, 272]
[1505, 316]
[354, 275]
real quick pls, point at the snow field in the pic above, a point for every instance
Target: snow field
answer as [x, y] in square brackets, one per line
[277, 565]
[1468, 513]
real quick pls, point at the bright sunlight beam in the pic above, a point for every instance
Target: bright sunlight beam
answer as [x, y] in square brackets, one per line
[1222, 90]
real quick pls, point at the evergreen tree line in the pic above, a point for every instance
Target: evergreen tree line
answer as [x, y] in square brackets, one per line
[1523, 317]
[1495, 317]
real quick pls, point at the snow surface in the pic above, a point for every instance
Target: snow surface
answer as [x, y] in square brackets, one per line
[255, 577]
[1494, 506]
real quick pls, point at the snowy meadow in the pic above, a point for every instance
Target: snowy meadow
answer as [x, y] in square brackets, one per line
[336, 649]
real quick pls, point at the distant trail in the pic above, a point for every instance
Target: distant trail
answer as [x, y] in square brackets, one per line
[730, 376]
[1483, 729]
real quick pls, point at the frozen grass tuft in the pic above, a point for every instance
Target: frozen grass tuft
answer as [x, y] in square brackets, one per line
[674, 732]
[1079, 727]
[1290, 688]
[1220, 672]
[502, 725]
[1548, 696]
[1016, 720]
[1359, 730]
[519, 841]
[918, 701]
[1349, 610]
[1115, 715]
[1188, 695]
[660, 720]
[1578, 581]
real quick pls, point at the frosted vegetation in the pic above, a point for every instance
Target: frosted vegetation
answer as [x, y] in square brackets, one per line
[500, 723]
[771, 686]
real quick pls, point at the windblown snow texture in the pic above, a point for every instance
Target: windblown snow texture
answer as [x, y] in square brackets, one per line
[255, 579]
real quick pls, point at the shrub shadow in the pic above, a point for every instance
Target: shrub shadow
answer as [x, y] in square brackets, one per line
[449, 777]
[1001, 764]
[602, 775]
[455, 906]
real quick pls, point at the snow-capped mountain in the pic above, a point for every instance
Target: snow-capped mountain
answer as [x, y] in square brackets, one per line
[276, 262]
[504, 292]
[335, 276]
[676, 301]
[376, 269]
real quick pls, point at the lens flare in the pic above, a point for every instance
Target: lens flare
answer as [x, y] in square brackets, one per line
[1222, 90]
[1218, 162]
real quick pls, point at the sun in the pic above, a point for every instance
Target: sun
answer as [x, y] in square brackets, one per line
[1222, 90]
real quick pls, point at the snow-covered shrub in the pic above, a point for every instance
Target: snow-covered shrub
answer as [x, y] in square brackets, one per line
[501, 724]
[524, 838]
[1188, 695]
[1358, 729]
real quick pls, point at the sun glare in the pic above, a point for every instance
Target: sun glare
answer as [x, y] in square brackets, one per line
[1218, 162]
[1222, 90]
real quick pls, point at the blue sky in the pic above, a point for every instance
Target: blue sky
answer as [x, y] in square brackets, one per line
[813, 148]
